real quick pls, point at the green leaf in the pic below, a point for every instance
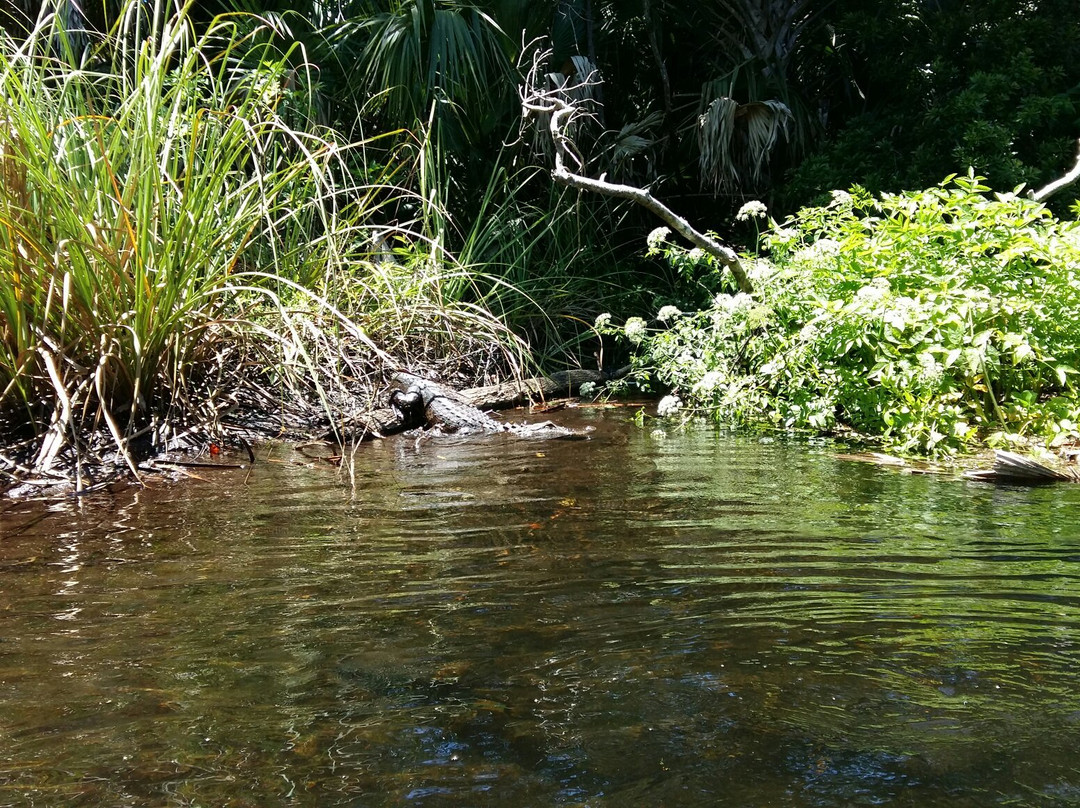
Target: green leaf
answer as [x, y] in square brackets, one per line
[1063, 371]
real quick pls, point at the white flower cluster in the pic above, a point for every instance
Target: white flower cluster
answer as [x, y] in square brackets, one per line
[667, 313]
[733, 304]
[874, 292]
[842, 198]
[931, 371]
[658, 237]
[821, 249]
[904, 312]
[587, 389]
[602, 320]
[759, 269]
[752, 210]
[668, 406]
[709, 382]
[635, 330]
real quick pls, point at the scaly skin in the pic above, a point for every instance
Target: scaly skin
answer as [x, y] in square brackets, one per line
[423, 403]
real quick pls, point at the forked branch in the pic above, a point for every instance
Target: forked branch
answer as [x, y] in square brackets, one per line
[560, 111]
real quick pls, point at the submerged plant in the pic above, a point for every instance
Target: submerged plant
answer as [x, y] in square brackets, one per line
[930, 320]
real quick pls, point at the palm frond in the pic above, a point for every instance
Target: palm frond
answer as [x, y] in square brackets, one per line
[715, 136]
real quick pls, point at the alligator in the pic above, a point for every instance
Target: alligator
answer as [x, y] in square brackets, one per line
[421, 403]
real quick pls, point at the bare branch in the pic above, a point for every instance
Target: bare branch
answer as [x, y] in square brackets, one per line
[561, 112]
[1052, 188]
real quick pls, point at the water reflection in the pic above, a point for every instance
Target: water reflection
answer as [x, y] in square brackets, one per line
[625, 621]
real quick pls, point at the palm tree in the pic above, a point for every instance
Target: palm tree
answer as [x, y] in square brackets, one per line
[420, 59]
[746, 111]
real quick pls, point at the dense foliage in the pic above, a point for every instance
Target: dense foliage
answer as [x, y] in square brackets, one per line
[169, 242]
[933, 88]
[928, 319]
[349, 186]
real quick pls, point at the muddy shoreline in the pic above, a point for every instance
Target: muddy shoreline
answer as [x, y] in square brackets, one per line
[93, 462]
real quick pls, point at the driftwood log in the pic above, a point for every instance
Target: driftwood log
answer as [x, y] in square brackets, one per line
[513, 393]
[386, 421]
[1014, 469]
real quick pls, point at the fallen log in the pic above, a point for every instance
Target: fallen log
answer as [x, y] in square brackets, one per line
[564, 384]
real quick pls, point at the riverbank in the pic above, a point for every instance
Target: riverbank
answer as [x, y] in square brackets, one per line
[249, 418]
[183, 254]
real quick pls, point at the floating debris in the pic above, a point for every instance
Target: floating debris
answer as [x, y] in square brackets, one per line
[1014, 469]
[877, 458]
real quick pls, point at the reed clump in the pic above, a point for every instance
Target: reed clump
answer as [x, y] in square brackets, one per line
[172, 247]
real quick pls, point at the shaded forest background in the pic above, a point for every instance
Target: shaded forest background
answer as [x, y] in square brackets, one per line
[710, 103]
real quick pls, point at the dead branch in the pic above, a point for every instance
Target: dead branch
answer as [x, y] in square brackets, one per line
[1052, 188]
[1014, 469]
[562, 112]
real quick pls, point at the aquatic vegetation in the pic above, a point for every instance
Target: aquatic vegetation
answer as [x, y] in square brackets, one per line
[931, 320]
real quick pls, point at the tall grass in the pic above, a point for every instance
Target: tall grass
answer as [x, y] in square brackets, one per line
[541, 258]
[129, 199]
[158, 212]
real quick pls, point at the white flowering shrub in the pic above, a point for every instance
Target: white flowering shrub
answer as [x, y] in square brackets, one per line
[635, 330]
[931, 320]
[657, 238]
[668, 406]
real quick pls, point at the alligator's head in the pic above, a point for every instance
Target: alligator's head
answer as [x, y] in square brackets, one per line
[428, 390]
[409, 405]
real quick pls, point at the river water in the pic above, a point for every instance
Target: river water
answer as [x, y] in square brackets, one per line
[641, 619]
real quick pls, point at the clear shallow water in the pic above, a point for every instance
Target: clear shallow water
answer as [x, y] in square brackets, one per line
[697, 620]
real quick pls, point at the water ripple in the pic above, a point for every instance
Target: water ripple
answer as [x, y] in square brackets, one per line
[628, 620]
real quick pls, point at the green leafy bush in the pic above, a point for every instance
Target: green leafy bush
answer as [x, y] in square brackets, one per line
[930, 319]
